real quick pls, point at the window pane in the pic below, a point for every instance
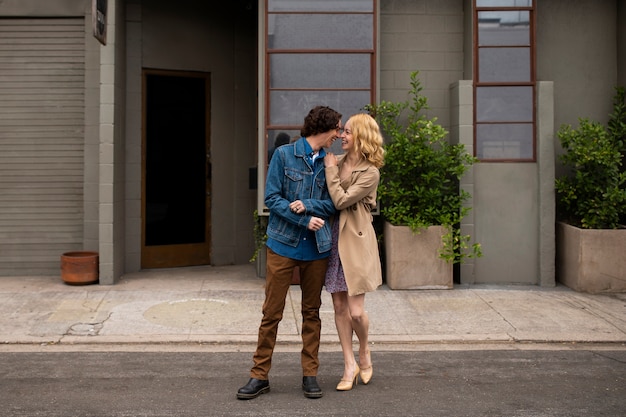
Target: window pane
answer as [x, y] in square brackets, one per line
[320, 31]
[290, 107]
[320, 71]
[327, 5]
[504, 104]
[276, 138]
[504, 141]
[504, 64]
[503, 28]
[504, 3]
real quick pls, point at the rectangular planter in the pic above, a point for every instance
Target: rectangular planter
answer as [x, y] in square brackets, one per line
[591, 260]
[412, 260]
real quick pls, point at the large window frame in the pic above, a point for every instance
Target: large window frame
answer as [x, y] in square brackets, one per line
[324, 89]
[504, 101]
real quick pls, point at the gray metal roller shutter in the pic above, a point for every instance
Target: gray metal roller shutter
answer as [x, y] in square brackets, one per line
[42, 68]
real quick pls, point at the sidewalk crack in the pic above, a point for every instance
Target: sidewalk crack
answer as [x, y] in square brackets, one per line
[86, 329]
[498, 313]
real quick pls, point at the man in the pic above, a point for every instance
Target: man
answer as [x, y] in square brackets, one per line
[298, 235]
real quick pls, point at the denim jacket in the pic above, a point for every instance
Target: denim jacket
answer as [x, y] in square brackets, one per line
[291, 177]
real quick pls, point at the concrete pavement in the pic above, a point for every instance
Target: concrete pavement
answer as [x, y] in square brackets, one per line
[220, 307]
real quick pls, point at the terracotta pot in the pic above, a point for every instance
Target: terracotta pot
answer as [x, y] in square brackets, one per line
[80, 268]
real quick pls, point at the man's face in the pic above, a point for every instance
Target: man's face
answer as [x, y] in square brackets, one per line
[333, 135]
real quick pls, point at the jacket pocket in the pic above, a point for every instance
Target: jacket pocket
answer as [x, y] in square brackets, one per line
[321, 191]
[294, 181]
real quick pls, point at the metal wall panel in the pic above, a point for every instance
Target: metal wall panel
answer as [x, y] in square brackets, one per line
[42, 70]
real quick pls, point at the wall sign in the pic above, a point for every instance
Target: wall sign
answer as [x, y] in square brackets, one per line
[99, 20]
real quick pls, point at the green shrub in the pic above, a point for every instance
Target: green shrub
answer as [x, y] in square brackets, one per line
[259, 233]
[419, 185]
[593, 194]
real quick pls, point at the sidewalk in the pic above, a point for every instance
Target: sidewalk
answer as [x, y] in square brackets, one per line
[221, 306]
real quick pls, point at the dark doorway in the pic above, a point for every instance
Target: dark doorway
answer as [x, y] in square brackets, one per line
[176, 169]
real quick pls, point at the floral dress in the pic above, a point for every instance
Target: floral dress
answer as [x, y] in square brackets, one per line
[335, 280]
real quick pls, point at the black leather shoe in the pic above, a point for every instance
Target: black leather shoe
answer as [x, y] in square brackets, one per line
[310, 387]
[253, 389]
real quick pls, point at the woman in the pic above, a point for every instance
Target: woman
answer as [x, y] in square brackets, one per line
[354, 263]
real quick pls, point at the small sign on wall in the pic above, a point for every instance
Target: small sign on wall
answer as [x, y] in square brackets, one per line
[99, 20]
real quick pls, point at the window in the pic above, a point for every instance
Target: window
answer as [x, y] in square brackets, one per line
[314, 53]
[504, 80]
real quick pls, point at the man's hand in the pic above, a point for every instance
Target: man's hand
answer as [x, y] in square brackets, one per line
[297, 207]
[315, 224]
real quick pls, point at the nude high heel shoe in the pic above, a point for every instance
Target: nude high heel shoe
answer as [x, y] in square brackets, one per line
[366, 373]
[346, 385]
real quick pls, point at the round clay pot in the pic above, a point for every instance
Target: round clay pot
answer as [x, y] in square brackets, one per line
[80, 268]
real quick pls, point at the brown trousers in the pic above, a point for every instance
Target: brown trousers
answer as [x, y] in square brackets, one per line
[278, 280]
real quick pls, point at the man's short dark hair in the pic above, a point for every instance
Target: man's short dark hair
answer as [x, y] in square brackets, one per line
[319, 120]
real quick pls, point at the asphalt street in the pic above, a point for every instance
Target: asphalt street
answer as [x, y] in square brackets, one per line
[572, 381]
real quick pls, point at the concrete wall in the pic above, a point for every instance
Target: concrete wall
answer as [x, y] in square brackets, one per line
[199, 36]
[514, 210]
[424, 35]
[133, 135]
[512, 214]
[91, 179]
[112, 149]
[546, 197]
[577, 50]
[462, 131]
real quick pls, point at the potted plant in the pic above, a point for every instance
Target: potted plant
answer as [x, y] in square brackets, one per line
[591, 203]
[420, 196]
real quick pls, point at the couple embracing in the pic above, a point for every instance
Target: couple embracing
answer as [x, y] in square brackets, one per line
[320, 220]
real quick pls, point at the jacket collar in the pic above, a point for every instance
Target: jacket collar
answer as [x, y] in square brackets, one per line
[302, 149]
[362, 165]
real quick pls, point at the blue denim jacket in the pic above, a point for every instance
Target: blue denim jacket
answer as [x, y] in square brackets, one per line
[290, 177]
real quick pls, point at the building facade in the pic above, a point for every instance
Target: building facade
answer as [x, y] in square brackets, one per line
[148, 142]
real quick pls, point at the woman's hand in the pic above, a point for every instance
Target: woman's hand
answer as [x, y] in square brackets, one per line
[330, 159]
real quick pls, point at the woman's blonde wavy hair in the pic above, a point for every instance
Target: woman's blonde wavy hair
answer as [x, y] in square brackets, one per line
[368, 140]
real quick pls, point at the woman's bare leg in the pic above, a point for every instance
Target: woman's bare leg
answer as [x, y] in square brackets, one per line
[343, 321]
[360, 324]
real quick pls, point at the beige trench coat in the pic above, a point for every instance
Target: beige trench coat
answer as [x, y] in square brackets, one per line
[358, 247]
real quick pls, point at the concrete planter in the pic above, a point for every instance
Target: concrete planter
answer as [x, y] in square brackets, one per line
[591, 260]
[412, 260]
